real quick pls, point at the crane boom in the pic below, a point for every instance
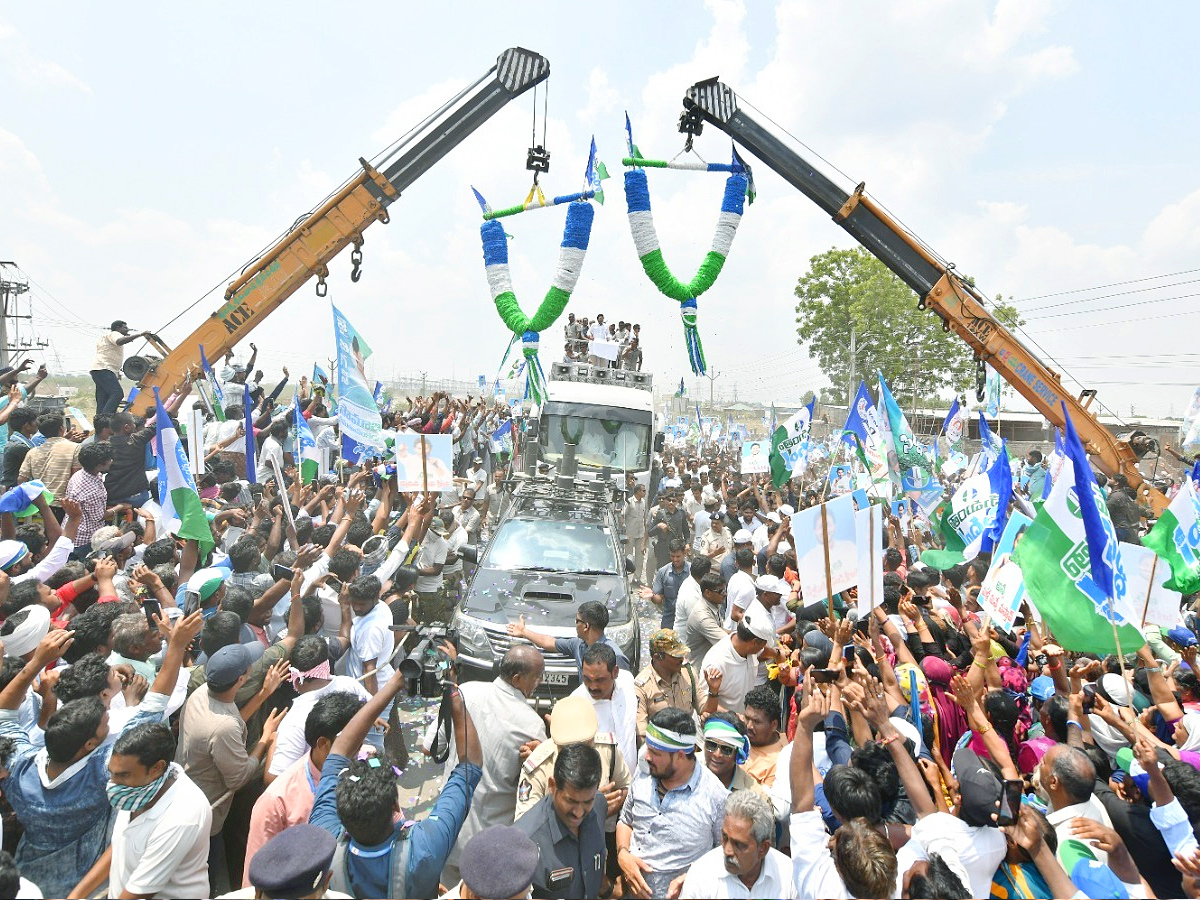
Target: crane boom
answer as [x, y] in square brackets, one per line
[960, 306]
[340, 221]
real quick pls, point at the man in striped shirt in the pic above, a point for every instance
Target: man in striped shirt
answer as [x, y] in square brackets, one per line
[53, 462]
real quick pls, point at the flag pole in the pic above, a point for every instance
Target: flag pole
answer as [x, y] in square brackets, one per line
[828, 575]
[1121, 660]
[424, 467]
[1149, 588]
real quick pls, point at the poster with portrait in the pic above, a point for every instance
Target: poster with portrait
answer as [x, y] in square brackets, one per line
[437, 450]
[809, 539]
[755, 459]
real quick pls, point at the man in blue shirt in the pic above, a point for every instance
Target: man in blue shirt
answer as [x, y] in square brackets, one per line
[356, 802]
[667, 580]
[591, 618]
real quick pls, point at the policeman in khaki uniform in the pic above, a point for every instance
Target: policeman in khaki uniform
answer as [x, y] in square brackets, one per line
[573, 721]
[667, 681]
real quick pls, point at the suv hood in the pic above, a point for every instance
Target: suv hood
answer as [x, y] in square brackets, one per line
[547, 599]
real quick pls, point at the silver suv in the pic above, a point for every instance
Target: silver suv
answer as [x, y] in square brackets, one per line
[556, 547]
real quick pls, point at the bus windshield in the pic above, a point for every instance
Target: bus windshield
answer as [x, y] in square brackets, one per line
[606, 438]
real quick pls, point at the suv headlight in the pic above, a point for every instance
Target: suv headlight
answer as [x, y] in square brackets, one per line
[622, 635]
[472, 638]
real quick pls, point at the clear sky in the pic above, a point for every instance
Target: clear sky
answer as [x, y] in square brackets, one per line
[148, 150]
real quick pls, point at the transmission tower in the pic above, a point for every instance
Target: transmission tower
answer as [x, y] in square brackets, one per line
[12, 286]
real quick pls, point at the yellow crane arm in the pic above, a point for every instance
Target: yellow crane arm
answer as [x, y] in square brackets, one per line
[308, 247]
[959, 305]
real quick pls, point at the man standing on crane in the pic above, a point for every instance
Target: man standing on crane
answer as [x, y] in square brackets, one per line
[106, 370]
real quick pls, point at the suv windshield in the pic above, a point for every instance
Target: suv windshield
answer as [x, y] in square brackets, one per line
[544, 546]
[604, 437]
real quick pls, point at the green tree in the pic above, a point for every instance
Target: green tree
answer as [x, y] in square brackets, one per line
[849, 299]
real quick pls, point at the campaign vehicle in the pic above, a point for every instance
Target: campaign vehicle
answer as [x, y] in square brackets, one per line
[556, 547]
[607, 414]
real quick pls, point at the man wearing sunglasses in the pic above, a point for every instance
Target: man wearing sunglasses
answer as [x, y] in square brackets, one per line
[726, 747]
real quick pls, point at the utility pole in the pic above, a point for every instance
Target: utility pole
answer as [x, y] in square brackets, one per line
[423, 374]
[10, 290]
[712, 376]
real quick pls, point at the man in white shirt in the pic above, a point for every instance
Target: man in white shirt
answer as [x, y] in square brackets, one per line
[430, 562]
[106, 370]
[689, 595]
[745, 865]
[635, 532]
[310, 675]
[614, 697]
[160, 838]
[701, 518]
[1067, 777]
[861, 863]
[272, 448]
[496, 501]
[598, 332]
[476, 475]
[455, 541]
[504, 722]
[736, 658]
[467, 516]
[741, 588]
[371, 643]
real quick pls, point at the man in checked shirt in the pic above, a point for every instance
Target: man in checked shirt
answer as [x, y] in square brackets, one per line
[86, 487]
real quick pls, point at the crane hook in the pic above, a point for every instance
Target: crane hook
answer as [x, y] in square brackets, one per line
[356, 258]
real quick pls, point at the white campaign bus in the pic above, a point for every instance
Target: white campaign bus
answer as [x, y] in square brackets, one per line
[608, 414]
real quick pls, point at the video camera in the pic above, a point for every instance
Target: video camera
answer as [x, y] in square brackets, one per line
[426, 667]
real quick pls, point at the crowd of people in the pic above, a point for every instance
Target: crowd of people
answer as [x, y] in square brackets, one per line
[218, 716]
[616, 345]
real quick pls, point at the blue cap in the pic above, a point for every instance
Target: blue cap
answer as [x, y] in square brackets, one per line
[1182, 636]
[1095, 879]
[294, 863]
[499, 861]
[226, 666]
[1042, 688]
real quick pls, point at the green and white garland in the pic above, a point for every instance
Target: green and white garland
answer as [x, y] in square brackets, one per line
[645, 239]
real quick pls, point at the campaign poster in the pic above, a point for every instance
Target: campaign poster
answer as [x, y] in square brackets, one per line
[358, 414]
[809, 539]
[1001, 593]
[438, 467]
[755, 457]
[841, 480]
[1003, 587]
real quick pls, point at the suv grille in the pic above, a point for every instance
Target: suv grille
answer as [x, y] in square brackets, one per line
[502, 641]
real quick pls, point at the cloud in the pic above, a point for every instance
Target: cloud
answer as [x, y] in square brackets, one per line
[602, 98]
[32, 70]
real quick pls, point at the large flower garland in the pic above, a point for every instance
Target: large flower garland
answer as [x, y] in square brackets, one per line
[645, 241]
[576, 233]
